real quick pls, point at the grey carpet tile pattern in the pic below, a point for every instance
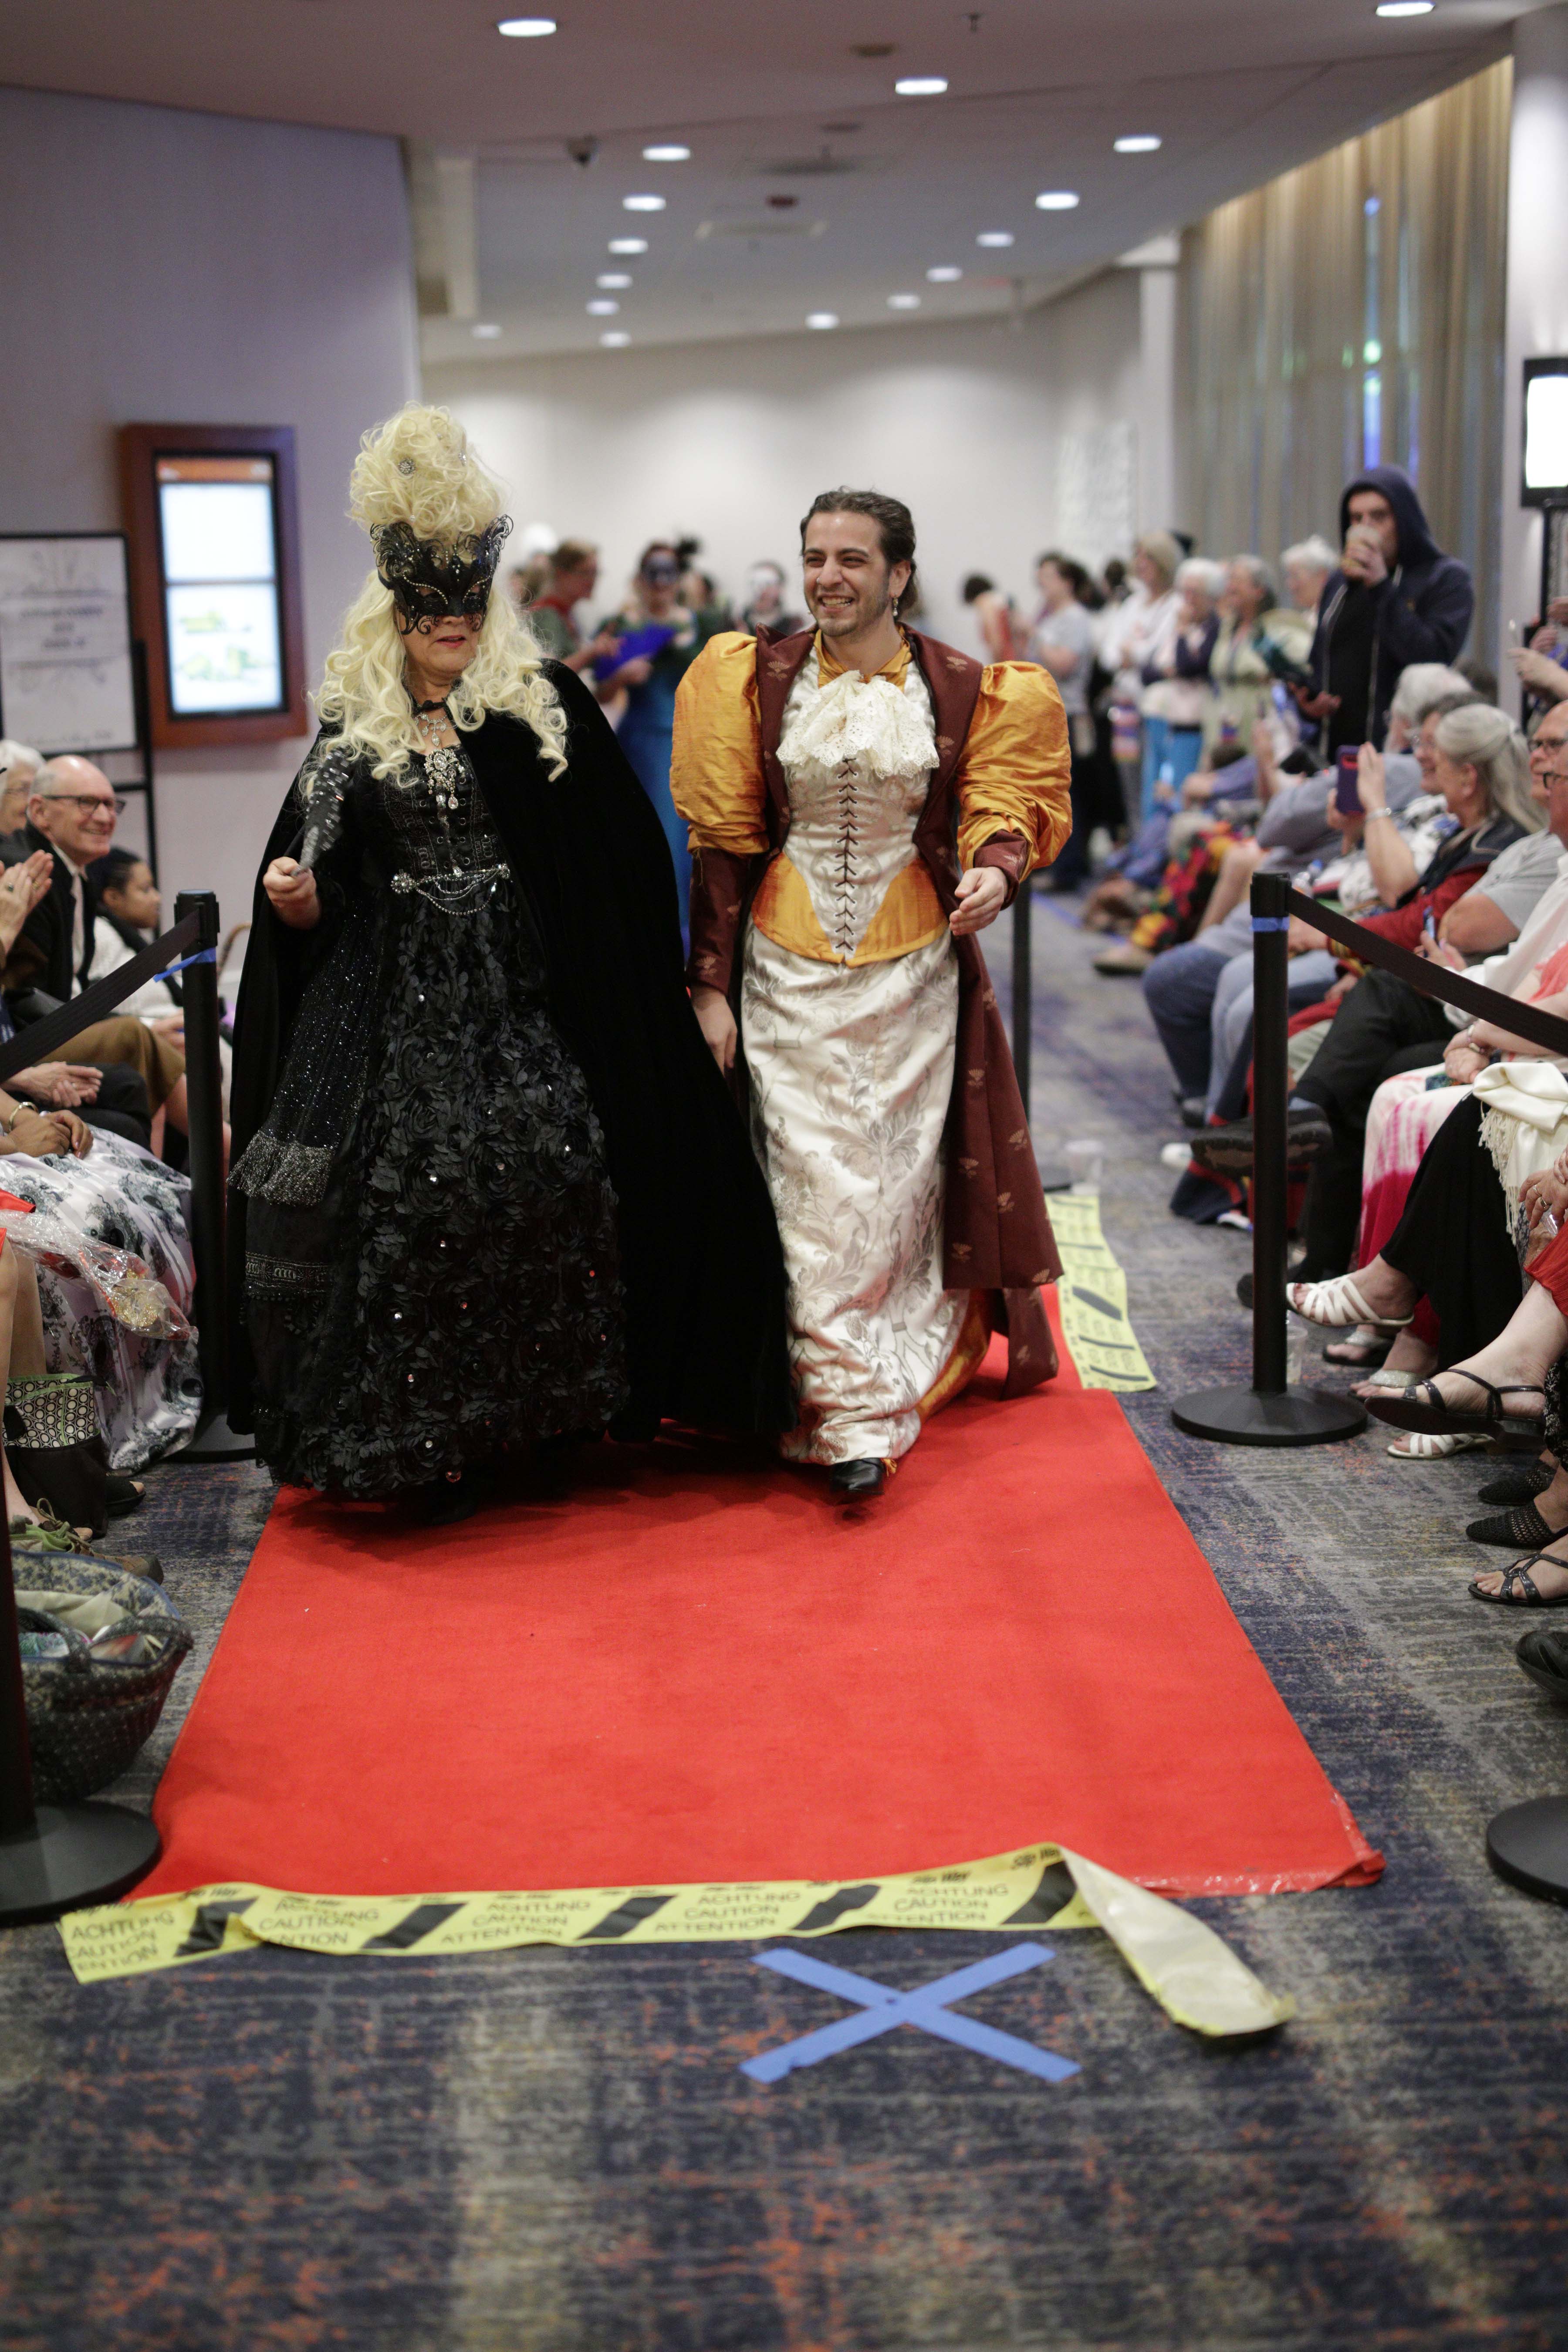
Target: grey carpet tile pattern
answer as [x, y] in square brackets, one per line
[554, 2150]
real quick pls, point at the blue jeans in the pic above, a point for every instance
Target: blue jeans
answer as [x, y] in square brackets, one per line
[1179, 746]
[1180, 988]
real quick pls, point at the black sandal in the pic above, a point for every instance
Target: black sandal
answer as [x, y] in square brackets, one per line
[1422, 1408]
[1518, 1486]
[1521, 1529]
[1519, 1578]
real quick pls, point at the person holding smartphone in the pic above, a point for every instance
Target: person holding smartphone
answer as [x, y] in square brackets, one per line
[1396, 599]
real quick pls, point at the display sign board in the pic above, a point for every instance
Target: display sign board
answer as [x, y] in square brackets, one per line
[214, 568]
[223, 627]
[67, 680]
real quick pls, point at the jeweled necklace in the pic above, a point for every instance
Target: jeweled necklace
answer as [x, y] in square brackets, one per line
[442, 765]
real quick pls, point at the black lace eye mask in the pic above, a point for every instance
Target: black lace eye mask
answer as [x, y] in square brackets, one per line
[432, 582]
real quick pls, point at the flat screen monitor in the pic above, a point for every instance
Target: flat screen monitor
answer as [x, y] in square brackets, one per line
[1544, 440]
[223, 622]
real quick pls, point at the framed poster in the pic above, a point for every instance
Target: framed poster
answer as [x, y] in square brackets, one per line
[211, 512]
[67, 675]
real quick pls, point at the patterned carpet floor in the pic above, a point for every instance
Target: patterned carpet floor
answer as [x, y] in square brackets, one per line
[548, 2151]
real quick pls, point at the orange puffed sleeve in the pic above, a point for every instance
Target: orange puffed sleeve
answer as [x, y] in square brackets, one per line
[716, 764]
[1016, 767]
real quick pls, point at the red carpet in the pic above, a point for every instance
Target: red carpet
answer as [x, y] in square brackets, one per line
[688, 1669]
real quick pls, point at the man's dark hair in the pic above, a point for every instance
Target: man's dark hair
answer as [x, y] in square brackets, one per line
[895, 525]
[977, 584]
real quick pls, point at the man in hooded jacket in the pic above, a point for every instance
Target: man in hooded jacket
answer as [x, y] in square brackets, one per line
[1396, 599]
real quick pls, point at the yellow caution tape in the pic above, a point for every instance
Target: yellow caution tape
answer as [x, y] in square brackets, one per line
[1093, 1297]
[1196, 1979]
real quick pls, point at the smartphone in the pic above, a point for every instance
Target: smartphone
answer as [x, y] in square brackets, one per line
[1429, 927]
[1347, 785]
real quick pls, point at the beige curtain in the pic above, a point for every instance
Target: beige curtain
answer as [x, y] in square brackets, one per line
[1351, 313]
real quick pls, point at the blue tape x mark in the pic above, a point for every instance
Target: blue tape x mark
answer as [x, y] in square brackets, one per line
[882, 2007]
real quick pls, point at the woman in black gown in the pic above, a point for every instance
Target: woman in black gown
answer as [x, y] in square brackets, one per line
[487, 1187]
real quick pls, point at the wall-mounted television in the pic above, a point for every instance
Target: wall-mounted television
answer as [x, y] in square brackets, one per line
[1545, 435]
[210, 512]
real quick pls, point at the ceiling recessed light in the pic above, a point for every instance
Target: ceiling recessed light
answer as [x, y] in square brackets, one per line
[629, 244]
[642, 204]
[1141, 142]
[666, 154]
[612, 278]
[998, 237]
[1405, 8]
[488, 332]
[1057, 200]
[822, 319]
[526, 28]
[615, 340]
[920, 86]
[903, 301]
[945, 275]
[604, 309]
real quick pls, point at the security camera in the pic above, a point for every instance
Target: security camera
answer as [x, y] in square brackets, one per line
[583, 151]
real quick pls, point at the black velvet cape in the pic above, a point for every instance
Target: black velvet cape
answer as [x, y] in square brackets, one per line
[700, 1253]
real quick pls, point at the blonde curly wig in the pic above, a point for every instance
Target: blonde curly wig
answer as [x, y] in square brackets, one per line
[417, 468]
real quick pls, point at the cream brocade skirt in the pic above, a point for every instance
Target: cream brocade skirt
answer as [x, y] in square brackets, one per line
[851, 1070]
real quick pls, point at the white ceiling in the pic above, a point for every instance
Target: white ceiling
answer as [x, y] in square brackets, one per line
[774, 102]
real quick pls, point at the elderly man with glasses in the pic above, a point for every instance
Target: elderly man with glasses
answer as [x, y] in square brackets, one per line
[119, 1073]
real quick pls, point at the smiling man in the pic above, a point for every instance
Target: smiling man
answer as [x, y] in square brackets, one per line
[862, 802]
[117, 1071]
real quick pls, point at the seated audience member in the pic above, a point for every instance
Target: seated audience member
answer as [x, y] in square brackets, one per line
[108, 1240]
[1199, 1019]
[1409, 1107]
[71, 817]
[551, 617]
[1258, 641]
[19, 765]
[129, 912]
[1516, 1379]
[1394, 599]
[1481, 768]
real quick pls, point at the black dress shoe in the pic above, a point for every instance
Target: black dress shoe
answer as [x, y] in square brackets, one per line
[857, 1482]
[1227, 1150]
[1544, 1657]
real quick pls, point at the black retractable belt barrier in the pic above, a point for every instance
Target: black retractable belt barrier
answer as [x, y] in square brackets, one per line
[1272, 1412]
[214, 1441]
[1527, 1844]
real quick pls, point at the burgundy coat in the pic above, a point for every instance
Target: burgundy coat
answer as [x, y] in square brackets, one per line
[997, 1233]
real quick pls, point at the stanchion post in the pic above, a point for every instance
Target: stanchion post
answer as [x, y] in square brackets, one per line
[214, 1440]
[1270, 1103]
[1270, 1411]
[16, 1816]
[1023, 989]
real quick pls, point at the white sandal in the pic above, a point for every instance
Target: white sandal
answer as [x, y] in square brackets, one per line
[1336, 1303]
[1429, 1445]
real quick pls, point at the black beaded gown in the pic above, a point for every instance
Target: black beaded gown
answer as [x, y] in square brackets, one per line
[431, 1274]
